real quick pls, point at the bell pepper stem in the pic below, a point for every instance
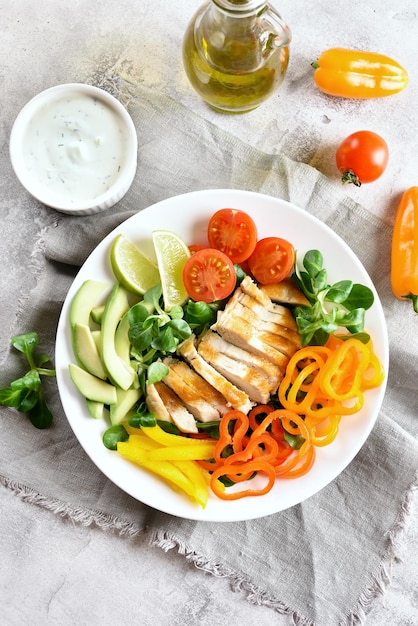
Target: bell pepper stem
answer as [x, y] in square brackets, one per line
[414, 299]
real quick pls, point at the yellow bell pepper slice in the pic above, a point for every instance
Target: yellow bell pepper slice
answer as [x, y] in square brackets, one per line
[198, 452]
[184, 475]
[168, 439]
[197, 479]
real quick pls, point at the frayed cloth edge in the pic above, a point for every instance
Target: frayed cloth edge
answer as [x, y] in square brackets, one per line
[380, 581]
[238, 582]
[77, 515]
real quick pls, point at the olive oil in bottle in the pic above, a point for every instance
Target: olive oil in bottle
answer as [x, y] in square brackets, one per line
[235, 53]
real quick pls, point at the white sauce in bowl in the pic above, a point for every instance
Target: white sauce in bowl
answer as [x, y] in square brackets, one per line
[74, 146]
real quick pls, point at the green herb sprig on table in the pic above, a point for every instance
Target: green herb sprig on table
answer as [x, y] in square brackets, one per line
[341, 305]
[26, 393]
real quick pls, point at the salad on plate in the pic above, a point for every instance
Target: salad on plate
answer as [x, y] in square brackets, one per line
[221, 365]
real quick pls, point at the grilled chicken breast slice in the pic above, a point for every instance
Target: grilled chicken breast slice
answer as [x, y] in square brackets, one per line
[255, 385]
[192, 378]
[249, 287]
[155, 404]
[283, 322]
[285, 292]
[241, 333]
[278, 336]
[235, 397]
[160, 395]
[269, 370]
[200, 398]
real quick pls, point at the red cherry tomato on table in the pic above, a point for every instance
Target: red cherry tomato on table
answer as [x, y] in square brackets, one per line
[272, 260]
[362, 157]
[233, 232]
[209, 275]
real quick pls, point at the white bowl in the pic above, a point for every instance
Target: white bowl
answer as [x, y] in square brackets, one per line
[74, 148]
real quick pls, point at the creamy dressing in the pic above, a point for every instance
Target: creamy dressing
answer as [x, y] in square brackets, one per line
[74, 148]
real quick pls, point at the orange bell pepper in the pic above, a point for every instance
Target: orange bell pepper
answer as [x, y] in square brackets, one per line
[356, 74]
[404, 262]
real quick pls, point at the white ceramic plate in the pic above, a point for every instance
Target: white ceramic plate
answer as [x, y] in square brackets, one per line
[188, 216]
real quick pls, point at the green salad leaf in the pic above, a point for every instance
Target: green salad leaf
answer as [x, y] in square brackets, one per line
[332, 307]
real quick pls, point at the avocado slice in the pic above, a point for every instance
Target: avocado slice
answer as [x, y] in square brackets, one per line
[119, 372]
[126, 399]
[91, 387]
[122, 343]
[84, 300]
[86, 351]
[96, 409]
[96, 313]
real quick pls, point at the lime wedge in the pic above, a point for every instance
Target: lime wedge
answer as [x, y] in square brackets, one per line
[132, 269]
[172, 253]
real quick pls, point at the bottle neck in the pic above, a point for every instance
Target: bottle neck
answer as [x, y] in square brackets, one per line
[240, 8]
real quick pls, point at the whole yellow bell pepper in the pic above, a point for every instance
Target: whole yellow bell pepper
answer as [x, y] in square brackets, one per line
[355, 74]
[404, 260]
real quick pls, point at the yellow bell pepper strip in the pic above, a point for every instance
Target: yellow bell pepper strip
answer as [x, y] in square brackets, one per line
[404, 262]
[198, 479]
[198, 452]
[168, 439]
[143, 442]
[349, 73]
[181, 475]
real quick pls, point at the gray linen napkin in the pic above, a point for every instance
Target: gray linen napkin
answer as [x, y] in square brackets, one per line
[322, 561]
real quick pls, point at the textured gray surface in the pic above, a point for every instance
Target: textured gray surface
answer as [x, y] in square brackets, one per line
[83, 41]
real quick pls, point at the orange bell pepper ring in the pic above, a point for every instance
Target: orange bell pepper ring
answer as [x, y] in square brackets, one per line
[234, 470]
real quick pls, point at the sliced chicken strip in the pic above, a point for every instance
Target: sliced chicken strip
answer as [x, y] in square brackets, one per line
[208, 392]
[271, 371]
[235, 397]
[249, 287]
[283, 321]
[288, 341]
[255, 385]
[285, 292]
[156, 405]
[178, 413]
[242, 334]
[192, 395]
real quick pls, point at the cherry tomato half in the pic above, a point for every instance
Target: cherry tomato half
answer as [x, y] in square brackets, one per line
[272, 260]
[233, 232]
[209, 275]
[194, 247]
[362, 157]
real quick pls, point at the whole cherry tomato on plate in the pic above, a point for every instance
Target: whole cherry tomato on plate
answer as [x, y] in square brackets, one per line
[362, 157]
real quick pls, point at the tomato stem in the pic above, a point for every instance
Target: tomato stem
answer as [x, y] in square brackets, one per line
[350, 177]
